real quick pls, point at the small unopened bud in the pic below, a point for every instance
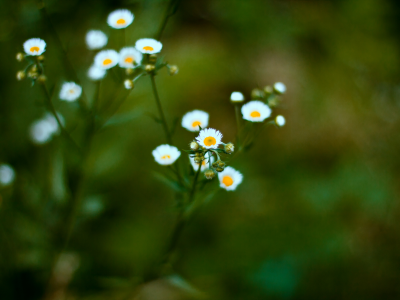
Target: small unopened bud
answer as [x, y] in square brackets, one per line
[20, 75]
[279, 88]
[268, 90]
[215, 164]
[33, 75]
[34, 68]
[129, 71]
[42, 79]
[209, 174]
[229, 148]
[198, 159]
[194, 146]
[219, 169]
[257, 94]
[237, 97]
[273, 102]
[173, 70]
[152, 58]
[149, 68]
[19, 56]
[128, 84]
[40, 58]
[280, 120]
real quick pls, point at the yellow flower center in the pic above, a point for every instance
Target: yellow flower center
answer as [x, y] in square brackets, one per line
[166, 156]
[34, 48]
[196, 124]
[107, 61]
[255, 114]
[210, 141]
[148, 48]
[121, 21]
[71, 91]
[129, 60]
[227, 180]
[203, 163]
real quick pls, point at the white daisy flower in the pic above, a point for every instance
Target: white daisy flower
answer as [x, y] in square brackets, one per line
[193, 119]
[96, 73]
[148, 46]
[280, 87]
[255, 111]
[129, 57]
[229, 178]
[120, 18]
[7, 174]
[96, 39]
[166, 154]
[70, 91]
[209, 138]
[237, 97]
[204, 163]
[280, 120]
[34, 46]
[106, 59]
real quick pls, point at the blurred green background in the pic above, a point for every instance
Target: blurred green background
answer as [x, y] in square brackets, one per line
[315, 216]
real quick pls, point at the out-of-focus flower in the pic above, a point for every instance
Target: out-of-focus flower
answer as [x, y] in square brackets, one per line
[128, 84]
[280, 120]
[255, 111]
[120, 18]
[96, 39]
[279, 88]
[237, 97]
[106, 59]
[209, 138]
[70, 91]
[166, 154]
[34, 46]
[43, 130]
[7, 174]
[229, 179]
[129, 57]
[96, 73]
[193, 119]
[148, 46]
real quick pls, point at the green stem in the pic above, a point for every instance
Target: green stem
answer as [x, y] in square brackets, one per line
[53, 111]
[170, 11]
[238, 124]
[160, 110]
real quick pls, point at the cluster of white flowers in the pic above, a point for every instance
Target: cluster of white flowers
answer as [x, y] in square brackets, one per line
[42, 130]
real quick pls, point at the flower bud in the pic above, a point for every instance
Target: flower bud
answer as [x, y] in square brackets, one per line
[33, 75]
[19, 56]
[173, 70]
[209, 174]
[237, 97]
[280, 120]
[198, 159]
[215, 164]
[152, 58]
[20, 75]
[149, 68]
[268, 90]
[129, 71]
[194, 146]
[42, 79]
[34, 68]
[40, 58]
[279, 88]
[219, 169]
[257, 94]
[229, 148]
[128, 84]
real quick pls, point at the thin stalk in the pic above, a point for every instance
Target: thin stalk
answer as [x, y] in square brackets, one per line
[53, 111]
[170, 11]
[160, 110]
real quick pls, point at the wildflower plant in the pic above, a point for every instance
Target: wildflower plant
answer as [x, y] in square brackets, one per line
[207, 152]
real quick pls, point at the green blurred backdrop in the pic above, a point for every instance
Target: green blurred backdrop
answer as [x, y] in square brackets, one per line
[315, 217]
